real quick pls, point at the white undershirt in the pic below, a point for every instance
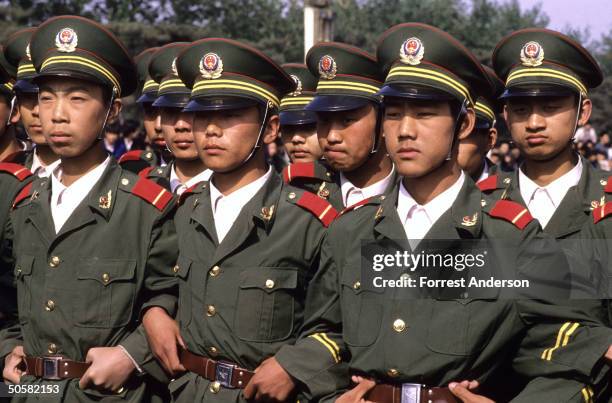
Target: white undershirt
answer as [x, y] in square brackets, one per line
[178, 187]
[543, 201]
[351, 194]
[41, 170]
[418, 219]
[64, 200]
[226, 208]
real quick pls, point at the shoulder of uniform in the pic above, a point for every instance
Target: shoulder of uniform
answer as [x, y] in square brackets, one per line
[312, 203]
[305, 170]
[488, 184]
[136, 155]
[24, 193]
[607, 184]
[602, 212]
[512, 212]
[145, 172]
[146, 189]
[197, 188]
[18, 171]
[372, 201]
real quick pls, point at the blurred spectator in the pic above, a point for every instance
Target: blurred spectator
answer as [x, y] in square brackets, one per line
[585, 134]
[132, 137]
[276, 155]
[112, 141]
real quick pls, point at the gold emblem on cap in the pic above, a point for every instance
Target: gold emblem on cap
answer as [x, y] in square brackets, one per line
[298, 88]
[412, 51]
[211, 66]
[327, 67]
[174, 70]
[105, 201]
[66, 40]
[28, 54]
[532, 54]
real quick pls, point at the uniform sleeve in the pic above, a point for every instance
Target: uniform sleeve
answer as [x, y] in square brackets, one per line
[316, 358]
[160, 283]
[545, 389]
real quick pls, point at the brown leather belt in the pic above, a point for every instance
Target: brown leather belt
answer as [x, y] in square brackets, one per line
[410, 393]
[219, 372]
[55, 367]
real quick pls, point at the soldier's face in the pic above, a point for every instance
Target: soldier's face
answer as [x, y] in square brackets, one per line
[225, 138]
[474, 148]
[347, 137]
[72, 114]
[152, 126]
[542, 127]
[5, 112]
[418, 134]
[301, 142]
[27, 105]
[176, 128]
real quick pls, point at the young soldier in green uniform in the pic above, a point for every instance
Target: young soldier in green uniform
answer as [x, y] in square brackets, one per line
[413, 349]
[11, 149]
[473, 150]
[186, 169]
[248, 245]
[348, 125]
[83, 238]
[298, 127]
[547, 78]
[41, 159]
[137, 160]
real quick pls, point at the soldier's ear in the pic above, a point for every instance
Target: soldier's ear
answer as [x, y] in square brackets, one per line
[467, 124]
[586, 108]
[271, 131]
[115, 110]
[492, 139]
[15, 114]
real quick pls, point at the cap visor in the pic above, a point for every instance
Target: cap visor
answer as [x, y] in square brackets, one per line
[25, 86]
[147, 98]
[297, 118]
[334, 103]
[219, 103]
[527, 91]
[415, 92]
[482, 124]
[172, 101]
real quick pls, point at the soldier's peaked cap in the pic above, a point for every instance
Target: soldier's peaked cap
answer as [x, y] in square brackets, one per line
[79, 47]
[148, 87]
[17, 53]
[223, 73]
[349, 78]
[292, 104]
[171, 92]
[422, 61]
[488, 105]
[537, 61]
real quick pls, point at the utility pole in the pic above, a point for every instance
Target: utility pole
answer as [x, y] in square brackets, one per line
[318, 22]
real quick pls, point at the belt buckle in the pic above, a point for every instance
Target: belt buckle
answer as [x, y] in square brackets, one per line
[50, 368]
[223, 373]
[411, 392]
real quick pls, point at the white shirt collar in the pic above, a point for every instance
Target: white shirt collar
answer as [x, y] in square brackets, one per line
[363, 193]
[435, 207]
[65, 199]
[240, 196]
[556, 190]
[43, 171]
[175, 182]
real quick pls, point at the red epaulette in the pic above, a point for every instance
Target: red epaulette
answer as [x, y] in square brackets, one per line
[153, 193]
[488, 184]
[18, 171]
[145, 172]
[356, 205]
[23, 194]
[608, 188]
[320, 208]
[299, 170]
[187, 192]
[512, 212]
[601, 212]
[133, 155]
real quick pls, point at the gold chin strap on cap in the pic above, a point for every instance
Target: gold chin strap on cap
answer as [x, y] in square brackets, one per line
[461, 113]
[577, 117]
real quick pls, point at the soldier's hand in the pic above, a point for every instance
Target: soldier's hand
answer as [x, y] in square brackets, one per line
[110, 368]
[462, 390]
[357, 394]
[270, 383]
[164, 336]
[12, 365]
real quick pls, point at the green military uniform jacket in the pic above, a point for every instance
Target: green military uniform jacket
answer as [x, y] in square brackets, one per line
[137, 160]
[159, 175]
[83, 287]
[436, 341]
[242, 300]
